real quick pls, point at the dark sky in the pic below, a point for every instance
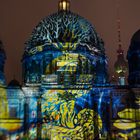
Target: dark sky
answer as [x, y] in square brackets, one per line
[19, 17]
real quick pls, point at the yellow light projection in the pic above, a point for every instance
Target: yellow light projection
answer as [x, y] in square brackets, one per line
[127, 129]
[129, 120]
[4, 112]
[66, 45]
[125, 124]
[10, 125]
[138, 101]
[5, 122]
[67, 61]
[64, 120]
[130, 113]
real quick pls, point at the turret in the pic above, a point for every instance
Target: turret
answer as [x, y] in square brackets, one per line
[2, 62]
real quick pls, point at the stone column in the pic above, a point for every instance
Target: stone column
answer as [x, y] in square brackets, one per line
[110, 115]
[39, 118]
[26, 115]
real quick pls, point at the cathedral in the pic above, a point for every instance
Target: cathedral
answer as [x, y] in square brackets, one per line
[66, 93]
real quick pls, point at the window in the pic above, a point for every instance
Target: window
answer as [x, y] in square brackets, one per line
[13, 112]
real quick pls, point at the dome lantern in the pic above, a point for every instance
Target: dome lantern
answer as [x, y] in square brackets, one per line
[64, 5]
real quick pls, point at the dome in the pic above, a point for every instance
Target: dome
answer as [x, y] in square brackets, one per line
[63, 27]
[135, 44]
[136, 37]
[14, 83]
[2, 48]
[133, 56]
[63, 41]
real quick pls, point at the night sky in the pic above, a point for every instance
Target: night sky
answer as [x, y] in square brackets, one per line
[19, 17]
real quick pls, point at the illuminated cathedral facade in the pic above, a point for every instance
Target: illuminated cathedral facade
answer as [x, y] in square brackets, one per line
[65, 93]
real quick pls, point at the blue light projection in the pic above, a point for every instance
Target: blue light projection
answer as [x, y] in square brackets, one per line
[60, 35]
[65, 87]
[64, 51]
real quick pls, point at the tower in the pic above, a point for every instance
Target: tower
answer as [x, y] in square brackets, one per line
[120, 65]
